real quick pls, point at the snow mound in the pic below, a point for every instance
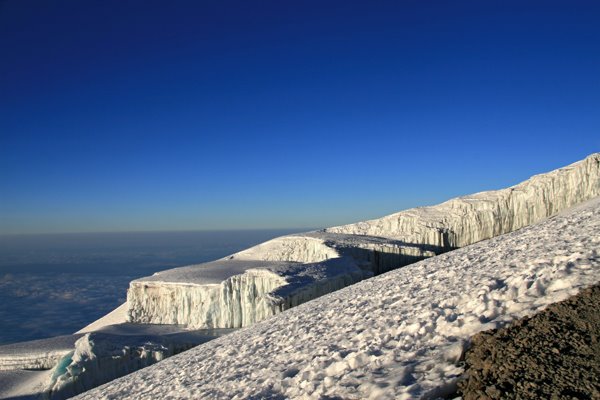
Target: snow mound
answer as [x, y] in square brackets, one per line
[399, 335]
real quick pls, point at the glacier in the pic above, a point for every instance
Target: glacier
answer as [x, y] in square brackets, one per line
[258, 282]
[192, 296]
[399, 335]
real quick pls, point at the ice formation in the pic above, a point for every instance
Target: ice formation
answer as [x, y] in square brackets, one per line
[36, 354]
[399, 335]
[234, 293]
[63, 366]
[101, 357]
[470, 219]
[265, 279]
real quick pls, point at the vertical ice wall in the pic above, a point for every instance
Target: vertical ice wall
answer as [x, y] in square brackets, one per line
[238, 301]
[469, 219]
[99, 358]
[189, 297]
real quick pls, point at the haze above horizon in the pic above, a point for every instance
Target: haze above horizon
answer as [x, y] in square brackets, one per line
[191, 115]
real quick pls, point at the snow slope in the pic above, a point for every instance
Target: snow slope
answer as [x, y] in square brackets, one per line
[20, 384]
[263, 280]
[116, 316]
[398, 335]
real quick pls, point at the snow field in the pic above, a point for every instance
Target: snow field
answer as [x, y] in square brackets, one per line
[399, 335]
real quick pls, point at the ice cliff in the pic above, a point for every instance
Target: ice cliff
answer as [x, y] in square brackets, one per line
[469, 219]
[98, 358]
[234, 293]
[256, 283]
[252, 285]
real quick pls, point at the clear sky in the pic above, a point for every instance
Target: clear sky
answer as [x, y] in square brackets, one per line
[173, 115]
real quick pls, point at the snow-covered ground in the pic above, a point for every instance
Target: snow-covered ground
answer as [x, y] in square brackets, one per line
[397, 335]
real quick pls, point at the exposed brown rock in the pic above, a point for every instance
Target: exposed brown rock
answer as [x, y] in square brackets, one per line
[554, 354]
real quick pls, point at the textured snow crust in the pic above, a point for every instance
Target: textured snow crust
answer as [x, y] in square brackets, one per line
[23, 384]
[399, 335]
[266, 279]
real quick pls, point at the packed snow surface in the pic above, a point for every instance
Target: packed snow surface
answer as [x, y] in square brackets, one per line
[116, 316]
[399, 335]
[266, 279]
[20, 384]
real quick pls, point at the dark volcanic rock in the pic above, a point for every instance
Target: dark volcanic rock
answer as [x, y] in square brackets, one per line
[554, 354]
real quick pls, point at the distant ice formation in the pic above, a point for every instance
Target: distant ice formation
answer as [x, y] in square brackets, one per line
[234, 293]
[101, 357]
[67, 365]
[36, 354]
[263, 280]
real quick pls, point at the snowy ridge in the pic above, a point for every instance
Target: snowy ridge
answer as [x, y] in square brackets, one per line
[395, 336]
[249, 286]
[297, 248]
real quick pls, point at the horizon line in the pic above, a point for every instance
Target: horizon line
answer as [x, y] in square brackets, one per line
[157, 231]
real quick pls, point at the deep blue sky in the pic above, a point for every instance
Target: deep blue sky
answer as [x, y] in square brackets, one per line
[160, 115]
